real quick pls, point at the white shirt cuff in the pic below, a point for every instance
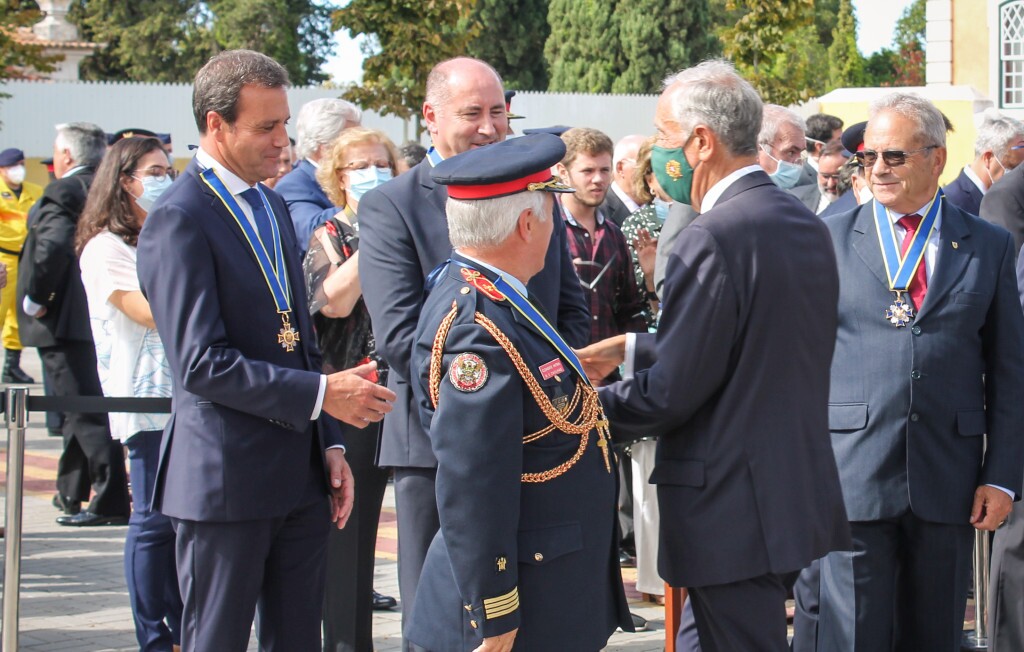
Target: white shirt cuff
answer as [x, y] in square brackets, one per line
[1004, 490]
[628, 364]
[319, 405]
[30, 307]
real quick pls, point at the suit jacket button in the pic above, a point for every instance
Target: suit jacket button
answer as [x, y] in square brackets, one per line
[915, 374]
[916, 330]
[538, 556]
[472, 624]
[914, 417]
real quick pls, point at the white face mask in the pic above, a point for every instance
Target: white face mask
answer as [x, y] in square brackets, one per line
[16, 174]
[152, 188]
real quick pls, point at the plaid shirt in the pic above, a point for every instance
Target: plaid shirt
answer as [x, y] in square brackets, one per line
[605, 269]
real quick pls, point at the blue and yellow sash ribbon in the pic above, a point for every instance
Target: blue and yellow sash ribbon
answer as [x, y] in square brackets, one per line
[901, 269]
[275, 275]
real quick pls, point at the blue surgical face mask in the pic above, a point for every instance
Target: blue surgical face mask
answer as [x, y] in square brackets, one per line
[787, 174]
[661, 208]
[361, 181]
[152, 188]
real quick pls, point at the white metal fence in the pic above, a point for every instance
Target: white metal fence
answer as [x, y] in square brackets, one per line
[33, 109]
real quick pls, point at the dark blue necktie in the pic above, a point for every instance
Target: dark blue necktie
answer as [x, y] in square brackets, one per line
[262, 219]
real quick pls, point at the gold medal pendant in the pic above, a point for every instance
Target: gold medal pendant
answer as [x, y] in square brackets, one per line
[900, 312]
[287, 337]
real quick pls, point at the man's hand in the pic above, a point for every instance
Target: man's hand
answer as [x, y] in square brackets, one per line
[351, 398]
[601, 358]
[501, 643]
[991, 507]
[342, 486]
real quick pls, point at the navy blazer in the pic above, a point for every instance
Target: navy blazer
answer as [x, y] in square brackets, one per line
[306, 201]
[239, 442]
[558, 539]
[735, 382]
[403, 236]
[912, 409]
[845, 202]
[962, 193]
[1004, 204]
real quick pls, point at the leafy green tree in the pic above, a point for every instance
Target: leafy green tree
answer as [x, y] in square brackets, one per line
[826, 15]
[168, 40]
[909, 42]
[767, 41]
[19, 59]
[880, 68]
[406, 38]
[847, 63]
[511, 38]
[582, 50]
[658, 37]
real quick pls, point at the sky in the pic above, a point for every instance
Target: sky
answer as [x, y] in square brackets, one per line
[876, 20]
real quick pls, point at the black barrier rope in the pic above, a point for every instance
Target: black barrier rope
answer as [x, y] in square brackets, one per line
[94, 404]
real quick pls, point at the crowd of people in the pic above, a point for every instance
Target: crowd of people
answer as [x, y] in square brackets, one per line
[758, 356]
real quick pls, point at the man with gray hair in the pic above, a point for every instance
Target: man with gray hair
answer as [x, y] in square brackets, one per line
[998, 148]
[925, 394]
[318, 124]
[735, 381]
[54, 317]
[621, 201]
[780, 145]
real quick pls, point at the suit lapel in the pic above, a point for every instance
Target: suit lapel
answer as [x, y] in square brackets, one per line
[951, 262]
[218, 207]
[865, 242]
[438, 194]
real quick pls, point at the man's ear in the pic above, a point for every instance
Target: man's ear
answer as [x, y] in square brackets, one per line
[526, 224]
[214, 122]
[430, 118]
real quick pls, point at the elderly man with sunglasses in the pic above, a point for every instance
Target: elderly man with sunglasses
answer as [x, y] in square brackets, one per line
[928, 372]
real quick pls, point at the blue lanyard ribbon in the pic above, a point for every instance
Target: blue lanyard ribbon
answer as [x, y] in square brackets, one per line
[535, 317]
[277, 281]
[433, 156]
[901, 269]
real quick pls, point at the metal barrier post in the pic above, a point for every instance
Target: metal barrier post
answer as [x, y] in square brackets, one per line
[16, 417]
[978, 640]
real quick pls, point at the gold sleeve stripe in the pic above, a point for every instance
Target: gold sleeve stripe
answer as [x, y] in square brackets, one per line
[501, 605]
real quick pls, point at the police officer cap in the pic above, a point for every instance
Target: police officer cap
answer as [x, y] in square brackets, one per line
[556, 130]
[11, 156]
[137, 133]
[508, 107]
[504, 168]
[853, 137]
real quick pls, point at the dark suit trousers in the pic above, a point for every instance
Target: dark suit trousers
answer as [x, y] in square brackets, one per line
[229, 570]
[903, 588]
[348, 613]
[1006, 590]
[418, 522]
[90, 458]
[745, 615]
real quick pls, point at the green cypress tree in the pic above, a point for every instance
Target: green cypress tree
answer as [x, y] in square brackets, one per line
[512, 37]
[659, 37]
[846, 62]
[582, 49]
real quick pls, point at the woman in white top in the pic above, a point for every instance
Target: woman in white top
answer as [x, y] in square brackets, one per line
[131, 362]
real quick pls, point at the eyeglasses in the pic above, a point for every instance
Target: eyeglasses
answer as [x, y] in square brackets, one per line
[892, 157]
[156, 172]
[791, 155]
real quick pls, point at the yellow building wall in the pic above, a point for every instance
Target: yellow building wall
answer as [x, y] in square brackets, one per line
[971, 46]
[960, 143]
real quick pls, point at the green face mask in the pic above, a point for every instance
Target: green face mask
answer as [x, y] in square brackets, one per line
[673, 172]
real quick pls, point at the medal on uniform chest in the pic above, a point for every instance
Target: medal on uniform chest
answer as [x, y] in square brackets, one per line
[901, 269]
[269, 255]
[287, 337]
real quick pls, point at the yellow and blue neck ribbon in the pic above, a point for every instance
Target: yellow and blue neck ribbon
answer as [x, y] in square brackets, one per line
[901, 269]
[539, 321]
[277, 281]
[434, 157]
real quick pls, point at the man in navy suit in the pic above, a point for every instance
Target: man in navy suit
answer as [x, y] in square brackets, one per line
[252, 469]
[735, 381]
[403, 237]
[925, 403]
[317, 126]
[998, 149]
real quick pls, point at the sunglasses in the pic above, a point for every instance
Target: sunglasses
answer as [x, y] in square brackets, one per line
[892, 157]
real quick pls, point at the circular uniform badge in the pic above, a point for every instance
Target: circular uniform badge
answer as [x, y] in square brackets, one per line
[468, 372]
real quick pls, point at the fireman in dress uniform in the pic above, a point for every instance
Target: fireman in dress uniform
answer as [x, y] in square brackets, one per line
[526, 557]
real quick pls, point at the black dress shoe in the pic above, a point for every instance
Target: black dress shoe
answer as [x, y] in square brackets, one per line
[383, 602]
[66, 505]
[89, 519]
[625, 560]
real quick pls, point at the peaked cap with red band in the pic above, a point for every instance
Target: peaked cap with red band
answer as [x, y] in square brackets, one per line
[502, 169]
[853, 137]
